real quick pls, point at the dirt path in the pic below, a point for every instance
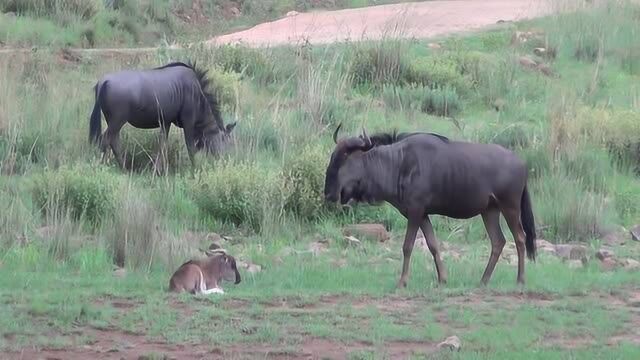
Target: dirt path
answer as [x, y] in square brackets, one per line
[405, 20]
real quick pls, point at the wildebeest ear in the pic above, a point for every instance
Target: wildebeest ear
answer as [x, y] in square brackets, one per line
[230, 127]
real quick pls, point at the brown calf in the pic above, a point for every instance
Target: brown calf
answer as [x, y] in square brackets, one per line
[205, 275]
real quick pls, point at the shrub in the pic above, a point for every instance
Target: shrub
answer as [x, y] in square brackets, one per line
[246, 61]
[441, 72]
[304, 180]
[226, 86]
[383, 63]
[50, 8]
[436, 101]
[83, 191]
[241, 193]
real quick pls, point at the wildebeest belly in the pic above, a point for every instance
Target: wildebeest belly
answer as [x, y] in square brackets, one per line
[150, 116]
[460, 199]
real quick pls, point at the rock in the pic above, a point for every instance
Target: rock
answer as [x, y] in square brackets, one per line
[10, 14]
[546, 70]
[608, 264]
[499, 104]
[571, 252]
[631, 264]
[540, 51]
[452, 343]
[615, 237]
[249, 267]
[352, 240]
[292, 13]
[635, 233]
[214, 238]
[604, 254]
[375, 232]
[434, 46]
[235, 11]
[545, 246]
[120, 272]
[316, 248]
[574, 264]
[527, 62]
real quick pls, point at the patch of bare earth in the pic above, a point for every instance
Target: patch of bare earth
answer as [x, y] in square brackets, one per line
[114, 343]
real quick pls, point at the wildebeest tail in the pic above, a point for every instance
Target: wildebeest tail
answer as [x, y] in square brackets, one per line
[95, 122]
[528, 224]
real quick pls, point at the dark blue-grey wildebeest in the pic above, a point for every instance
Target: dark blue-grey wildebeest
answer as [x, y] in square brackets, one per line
[424, 174]
[176, 93]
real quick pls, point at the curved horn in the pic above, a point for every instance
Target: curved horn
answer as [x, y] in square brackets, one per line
[335, 133]
[365, 137]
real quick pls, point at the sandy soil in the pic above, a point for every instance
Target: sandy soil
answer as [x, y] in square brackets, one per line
[407, 20]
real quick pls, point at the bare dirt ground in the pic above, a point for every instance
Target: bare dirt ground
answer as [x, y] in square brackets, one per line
[407, 20]
[114, 343]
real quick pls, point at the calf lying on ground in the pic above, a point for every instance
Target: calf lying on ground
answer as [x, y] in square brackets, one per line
[204, 276]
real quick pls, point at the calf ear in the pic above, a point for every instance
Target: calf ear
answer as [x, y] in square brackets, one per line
[230, 127]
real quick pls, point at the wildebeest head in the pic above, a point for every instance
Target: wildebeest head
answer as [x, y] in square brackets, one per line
[345, 173]
[226, 265]
[214, 139]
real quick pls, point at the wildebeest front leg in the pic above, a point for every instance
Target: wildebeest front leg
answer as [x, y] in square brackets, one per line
[162, 153]
[432, 243]
[491, 219]
[409, 239]
[191, 146]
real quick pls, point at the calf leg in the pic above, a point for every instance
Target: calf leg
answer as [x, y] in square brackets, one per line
[491, 219]
[409, 239]
[432, 244]
[515, 225]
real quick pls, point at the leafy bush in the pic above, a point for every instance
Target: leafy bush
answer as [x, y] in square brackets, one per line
[246, 61]
[225, 84]
[304, 180]
[436, 101]
[441, 72]
[81, 8]
[383, 63]
[241, 193]
[86, 192]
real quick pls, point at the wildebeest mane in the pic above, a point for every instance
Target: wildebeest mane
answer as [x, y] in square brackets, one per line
[390, 138]
[205, 82]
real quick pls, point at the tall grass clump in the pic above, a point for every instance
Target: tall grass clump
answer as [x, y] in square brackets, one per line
[383, 62]
[135, 234]
[436, 101]
[240, 193]
[303, 177]
[86, 192]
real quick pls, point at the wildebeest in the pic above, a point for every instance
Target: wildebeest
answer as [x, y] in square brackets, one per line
[204, 276]
[423, 174]
[175, 93]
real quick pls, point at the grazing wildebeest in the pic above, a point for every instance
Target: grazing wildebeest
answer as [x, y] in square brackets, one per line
[175, 93]
[204, 276]
[421, 174]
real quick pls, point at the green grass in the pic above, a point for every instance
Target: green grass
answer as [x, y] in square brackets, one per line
[66, 218]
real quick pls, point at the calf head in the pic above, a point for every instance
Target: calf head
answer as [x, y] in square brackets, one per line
[345, 172]
[225, 264]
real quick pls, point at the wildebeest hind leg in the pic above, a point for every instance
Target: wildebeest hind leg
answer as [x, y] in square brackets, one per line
[512, 215]
[491, 219]
[432, 243]
[407, 248]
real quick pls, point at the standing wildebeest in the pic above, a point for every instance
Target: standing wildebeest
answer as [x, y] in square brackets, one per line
[174, 93]
[422, 174]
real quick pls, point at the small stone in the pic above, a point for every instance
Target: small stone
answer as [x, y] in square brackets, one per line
[631, 264]
[292, 13]
[540, 51]
[604, 253]
[452, 343]
[120, 272]
[316, 248]
[527, 62]
[574, 264]
[571, 252]
[376, 232]
[635, 233]
[434, 46]
[608, 264]
[249, 267]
